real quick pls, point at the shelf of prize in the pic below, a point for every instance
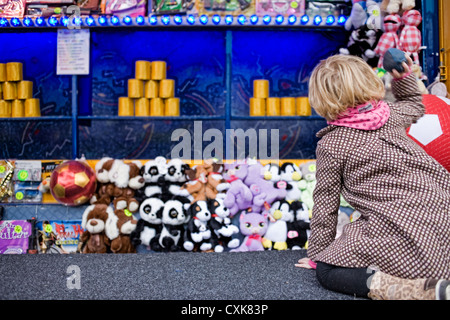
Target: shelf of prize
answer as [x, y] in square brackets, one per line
[42, 118]
[179, 118]
[316, 21]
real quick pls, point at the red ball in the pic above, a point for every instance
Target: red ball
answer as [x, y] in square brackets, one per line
[432, 131]
[73, 183]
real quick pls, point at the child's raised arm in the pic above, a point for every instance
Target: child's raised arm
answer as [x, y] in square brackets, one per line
[406, 91]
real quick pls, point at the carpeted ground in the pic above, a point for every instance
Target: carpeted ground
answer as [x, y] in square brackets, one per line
[267, 275]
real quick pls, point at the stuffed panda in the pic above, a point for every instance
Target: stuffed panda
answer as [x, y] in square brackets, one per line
[175, 176]
[222, 226]
[149, 225]
[153, 173]
[198, 232]
[174, 219]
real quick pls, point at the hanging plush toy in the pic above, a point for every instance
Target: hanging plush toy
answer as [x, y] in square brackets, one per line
[389, 39]
[358, 15]
[375, 18]
[410, 37]
[362, 43]
[394, 6]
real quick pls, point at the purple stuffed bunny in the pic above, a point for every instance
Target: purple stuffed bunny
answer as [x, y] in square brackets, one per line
[238, 196]
[253, 226]
[262, 188]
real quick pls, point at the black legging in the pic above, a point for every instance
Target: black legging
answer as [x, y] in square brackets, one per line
[352, 281]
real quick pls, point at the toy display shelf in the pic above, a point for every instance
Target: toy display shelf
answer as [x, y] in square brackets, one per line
[50, 209]
[42, 118]
[330, 21]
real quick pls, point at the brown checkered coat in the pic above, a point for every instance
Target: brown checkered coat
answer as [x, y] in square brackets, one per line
[403, 196]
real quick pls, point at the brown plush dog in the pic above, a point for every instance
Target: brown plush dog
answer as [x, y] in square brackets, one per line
[196, 185]
[96, 236]
[215, 183]
[118, 181]
[124, 223]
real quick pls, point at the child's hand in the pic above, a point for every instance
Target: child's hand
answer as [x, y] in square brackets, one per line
[304, 263]
[406, 68]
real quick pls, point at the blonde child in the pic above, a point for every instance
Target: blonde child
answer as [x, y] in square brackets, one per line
[399, 248]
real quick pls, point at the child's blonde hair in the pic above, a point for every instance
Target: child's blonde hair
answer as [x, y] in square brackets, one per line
[341, 82]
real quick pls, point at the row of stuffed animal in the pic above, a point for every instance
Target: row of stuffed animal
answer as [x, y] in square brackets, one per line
[378, 25]
[240, 206]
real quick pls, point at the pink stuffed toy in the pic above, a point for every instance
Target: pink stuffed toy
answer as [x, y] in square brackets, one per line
[410, 37]
[253, 226]
[265, 190]
[238, 196]
[389, 39]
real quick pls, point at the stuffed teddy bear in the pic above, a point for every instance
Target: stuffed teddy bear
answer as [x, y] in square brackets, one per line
[97, 234]
[394, 6]
[308, 183]
[222, 226]
[255, 177]
[410, 37]
[238, 196]
[358, 15]
[280, 213]
[125, 223]
[149, 225]
[198, 231]
[174, 218]
[253, 226]
[389, 39]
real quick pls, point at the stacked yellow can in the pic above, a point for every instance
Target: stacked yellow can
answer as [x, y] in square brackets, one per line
[261, 104]
[150, 93]
[16, 94]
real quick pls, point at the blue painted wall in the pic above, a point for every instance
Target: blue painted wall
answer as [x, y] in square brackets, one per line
[211, 85]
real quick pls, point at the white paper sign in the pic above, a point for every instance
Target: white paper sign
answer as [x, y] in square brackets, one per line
[73, 51]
